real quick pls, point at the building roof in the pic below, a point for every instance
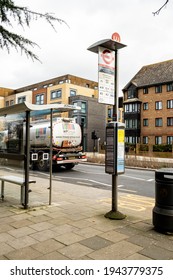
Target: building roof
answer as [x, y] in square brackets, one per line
[43, 109]
[68, 78]
[148, 75]
[133, 100]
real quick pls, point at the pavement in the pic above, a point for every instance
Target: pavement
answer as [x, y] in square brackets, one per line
[74, 227]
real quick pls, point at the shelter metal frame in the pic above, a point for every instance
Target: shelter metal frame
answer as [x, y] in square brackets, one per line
[29, 110]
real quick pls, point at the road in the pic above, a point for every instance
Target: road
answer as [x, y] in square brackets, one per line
[134, 181]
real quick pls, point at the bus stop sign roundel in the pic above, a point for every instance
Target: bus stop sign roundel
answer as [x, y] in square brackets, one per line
[116, 37]
[107, 56]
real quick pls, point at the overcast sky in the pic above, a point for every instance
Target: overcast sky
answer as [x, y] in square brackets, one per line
[148, 38]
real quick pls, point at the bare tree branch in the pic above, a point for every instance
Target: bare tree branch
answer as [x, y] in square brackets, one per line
[158, 11]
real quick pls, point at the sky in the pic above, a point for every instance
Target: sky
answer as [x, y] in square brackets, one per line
[148, 38]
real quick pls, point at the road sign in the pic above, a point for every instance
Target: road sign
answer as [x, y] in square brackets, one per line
[107, 56]
[106, 75]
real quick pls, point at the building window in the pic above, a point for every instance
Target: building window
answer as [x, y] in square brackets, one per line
[131, 123]
[56, 94]
[158, 122]
[39, 99]
[72, 92]
[169, 121]
[158, 140]
[75, 104]
[158, 105]
[145, 90]
[145, 122]
[169, 140]
[145, 140]
[83, 107]
[7, 103]
[131, 139]
[110, 112]
[21, 99]
[158, 89]
[169, 87]
[169, 104]
[83, 121]
[127, 108]
[145, 106]
[131, 93]
[134, 107]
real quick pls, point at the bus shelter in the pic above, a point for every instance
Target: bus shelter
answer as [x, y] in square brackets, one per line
[19, 115]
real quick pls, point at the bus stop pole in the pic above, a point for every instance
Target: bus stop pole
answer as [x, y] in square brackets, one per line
[112, 45]
[50, 159]
[114, 213]
[115, 113]
[114, 193]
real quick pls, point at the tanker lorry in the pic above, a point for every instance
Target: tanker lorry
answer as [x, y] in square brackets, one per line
[66, 143]
[65, 148]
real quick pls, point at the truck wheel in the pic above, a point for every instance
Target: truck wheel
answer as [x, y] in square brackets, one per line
[69, 166]
[42, 165]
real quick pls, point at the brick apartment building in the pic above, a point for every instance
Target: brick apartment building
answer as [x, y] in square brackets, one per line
[148, 105]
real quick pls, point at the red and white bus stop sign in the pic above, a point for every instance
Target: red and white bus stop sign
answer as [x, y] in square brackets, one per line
[107, 56]
[116, 37]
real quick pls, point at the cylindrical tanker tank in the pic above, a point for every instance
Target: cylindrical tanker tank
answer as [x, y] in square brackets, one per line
[64, 132]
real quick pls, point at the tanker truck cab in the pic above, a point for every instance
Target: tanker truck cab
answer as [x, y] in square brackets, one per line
[66, 143]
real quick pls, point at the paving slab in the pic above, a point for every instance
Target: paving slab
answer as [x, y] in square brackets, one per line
[74, 227]
[117, 251]
[27, 253]
[75, 251]
[69, 238]
[96, 242]
[156, 253]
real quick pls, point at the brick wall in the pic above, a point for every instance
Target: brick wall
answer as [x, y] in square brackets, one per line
[151, 114]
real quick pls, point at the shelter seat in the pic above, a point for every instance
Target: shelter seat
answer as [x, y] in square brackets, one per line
[14, 180]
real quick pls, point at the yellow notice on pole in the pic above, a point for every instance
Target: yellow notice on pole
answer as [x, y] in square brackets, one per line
[120, 135]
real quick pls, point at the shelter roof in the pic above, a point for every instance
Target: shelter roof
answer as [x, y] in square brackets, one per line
[44, 109]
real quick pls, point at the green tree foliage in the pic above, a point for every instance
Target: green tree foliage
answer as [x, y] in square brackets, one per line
[22, 16]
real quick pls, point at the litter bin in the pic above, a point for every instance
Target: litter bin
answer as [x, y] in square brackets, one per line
[163, 209]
